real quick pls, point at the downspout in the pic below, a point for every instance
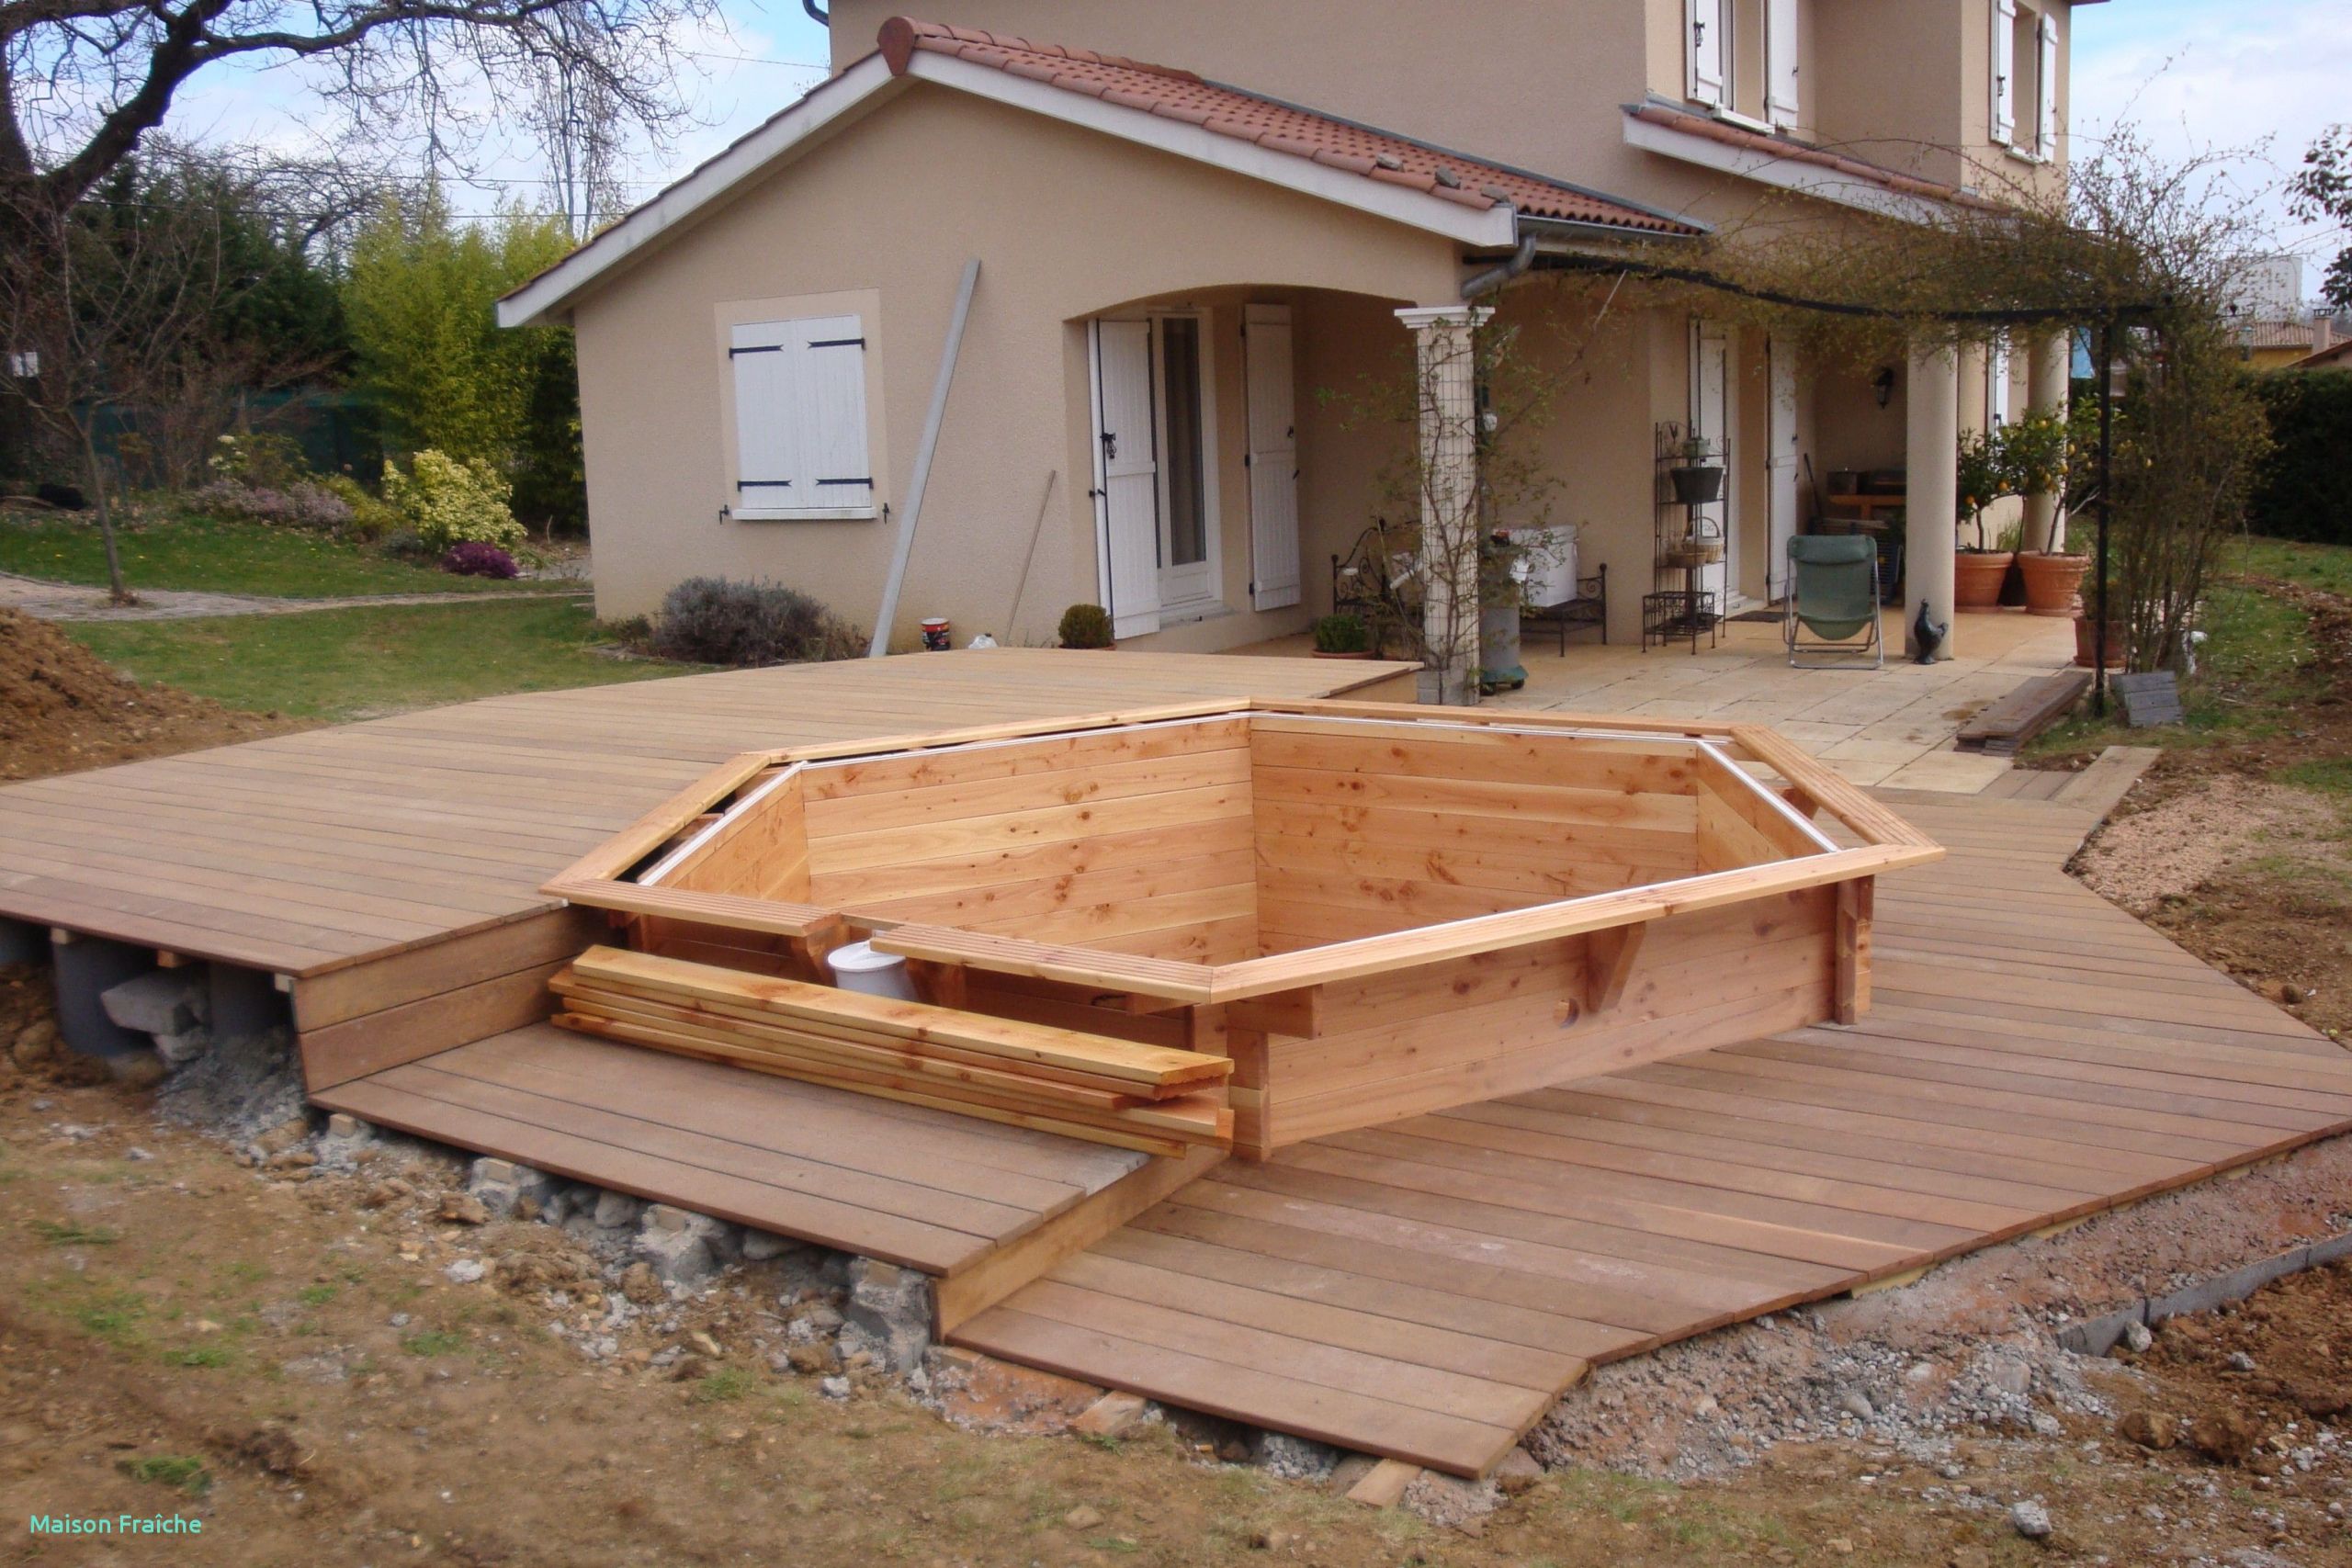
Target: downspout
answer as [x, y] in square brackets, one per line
[820, 16]
[1494, 276]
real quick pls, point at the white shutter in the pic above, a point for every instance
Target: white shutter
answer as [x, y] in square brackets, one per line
[1781, 60]
[1272, 457]
[1997, 382]
[832, 414]
[2004, 70]
[1707, 42]
[763, 357]
[800, 418]
[1126, 477]
[2045, 87]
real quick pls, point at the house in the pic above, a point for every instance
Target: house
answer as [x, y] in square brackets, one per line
[2276, 346]
[2337, 356]
[1187, 268]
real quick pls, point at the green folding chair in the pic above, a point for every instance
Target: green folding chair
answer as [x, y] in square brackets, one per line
[1833, 595]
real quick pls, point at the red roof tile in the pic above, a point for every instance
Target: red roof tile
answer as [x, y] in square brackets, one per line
[1282, 128]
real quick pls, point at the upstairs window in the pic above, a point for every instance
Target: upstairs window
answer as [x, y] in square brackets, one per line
[800, 418]
[2024, 80]
[1740, 58]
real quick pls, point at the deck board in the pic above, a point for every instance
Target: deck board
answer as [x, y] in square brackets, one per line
[1592, 1221]
[307, 853]
[928, 1188]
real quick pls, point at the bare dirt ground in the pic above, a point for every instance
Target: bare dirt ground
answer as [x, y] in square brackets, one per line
[2241, 851]
[64, 709]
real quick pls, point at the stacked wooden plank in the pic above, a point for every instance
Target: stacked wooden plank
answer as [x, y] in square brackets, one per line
[1061, 1080]
[2004, 727]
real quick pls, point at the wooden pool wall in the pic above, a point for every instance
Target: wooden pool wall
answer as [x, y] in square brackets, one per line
[1210, 842]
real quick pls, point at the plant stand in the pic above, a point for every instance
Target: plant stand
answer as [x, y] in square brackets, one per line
[1676, 609]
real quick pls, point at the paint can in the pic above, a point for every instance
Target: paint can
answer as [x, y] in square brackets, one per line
[858, 967]
[936, 637]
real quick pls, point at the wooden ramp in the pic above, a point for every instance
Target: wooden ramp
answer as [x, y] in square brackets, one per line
[1425, 1290]
[928, 1188]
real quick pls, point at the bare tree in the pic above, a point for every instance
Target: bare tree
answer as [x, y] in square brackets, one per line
[81, 81]
[116, 307]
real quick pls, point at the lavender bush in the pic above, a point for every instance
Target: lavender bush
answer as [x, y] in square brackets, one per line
[471, 558]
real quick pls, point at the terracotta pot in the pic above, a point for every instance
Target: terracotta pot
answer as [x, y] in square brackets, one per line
[2086, 649]
[2051, 581]
[1976, 577]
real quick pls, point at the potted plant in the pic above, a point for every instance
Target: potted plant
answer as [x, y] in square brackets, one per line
[1343, 636]
[1085, 626]
[2033, 453]
[1978, 571]
[1697, 477]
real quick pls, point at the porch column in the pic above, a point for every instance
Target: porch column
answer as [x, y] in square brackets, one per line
[1446, 393]
[1930, 458]
[2048, 364]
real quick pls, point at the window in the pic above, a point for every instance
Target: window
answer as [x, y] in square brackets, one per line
[800, 418]
[1996, 383]
[2024, 80]
[1741, 58]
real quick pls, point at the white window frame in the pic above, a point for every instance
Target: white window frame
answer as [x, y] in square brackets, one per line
[1997, 382]
[744, 505]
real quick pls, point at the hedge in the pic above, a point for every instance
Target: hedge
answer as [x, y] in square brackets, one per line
[2305, 488]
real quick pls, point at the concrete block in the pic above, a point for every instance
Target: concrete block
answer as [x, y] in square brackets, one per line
[244, 1002]
[500, 1184]
[160, 1001]
[86, 969]
[888, 1313]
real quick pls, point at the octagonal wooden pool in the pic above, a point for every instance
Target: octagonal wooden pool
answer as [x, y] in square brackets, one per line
[1371, 911]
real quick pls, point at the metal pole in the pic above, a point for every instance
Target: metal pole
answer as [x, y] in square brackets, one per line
[2105, 479]
[881, 644]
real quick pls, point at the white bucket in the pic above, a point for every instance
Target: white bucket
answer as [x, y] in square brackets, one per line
[858, 967]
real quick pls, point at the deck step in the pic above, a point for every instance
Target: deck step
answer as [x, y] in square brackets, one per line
[2003, 727]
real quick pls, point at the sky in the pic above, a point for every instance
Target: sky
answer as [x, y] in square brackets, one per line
[2261, 78]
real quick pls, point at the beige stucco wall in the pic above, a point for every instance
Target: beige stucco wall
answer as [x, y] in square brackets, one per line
[1066, 223]
[1540, 84]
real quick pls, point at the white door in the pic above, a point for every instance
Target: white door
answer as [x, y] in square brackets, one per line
[1272, 457]
[1126, 477]
[1781, 468]
[1711, 418]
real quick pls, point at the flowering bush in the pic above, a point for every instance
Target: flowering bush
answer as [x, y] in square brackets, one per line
[446, 502]
[474, 558]
[302, 504]
[264, 459]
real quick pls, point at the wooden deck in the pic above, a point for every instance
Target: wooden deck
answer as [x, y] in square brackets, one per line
[312, 853]
[1426, 1289]
[928, 1188]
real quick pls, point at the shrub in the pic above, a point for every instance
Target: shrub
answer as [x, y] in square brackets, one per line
[370, 518]
[302, 504]
[263, 458]
[2303, 488]
[1085, 625]
[1340, 634]
[714, 620]
[474, 558]
[446, 502]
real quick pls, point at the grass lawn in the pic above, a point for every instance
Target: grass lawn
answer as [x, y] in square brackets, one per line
[2254, 681]
[366, 661]
[172, 549]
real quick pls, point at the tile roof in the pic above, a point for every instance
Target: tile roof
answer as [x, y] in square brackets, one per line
[1789, 149]
[1270, 123]
[2309, 336]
